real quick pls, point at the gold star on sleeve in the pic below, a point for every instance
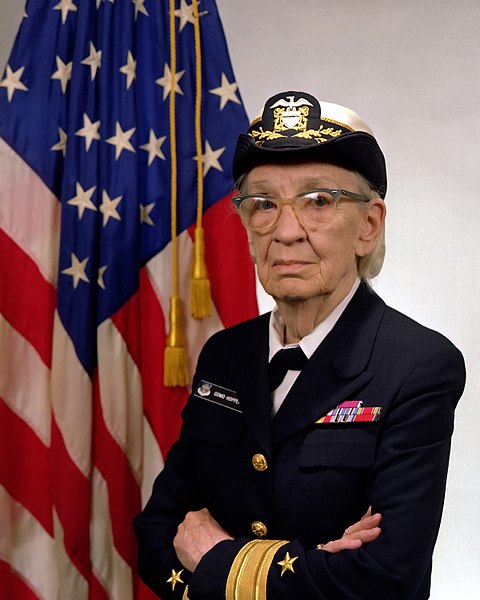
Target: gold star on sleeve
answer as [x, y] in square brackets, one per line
[287, 564]
[175, 578]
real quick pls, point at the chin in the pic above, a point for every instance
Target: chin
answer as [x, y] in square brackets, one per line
[295, 292]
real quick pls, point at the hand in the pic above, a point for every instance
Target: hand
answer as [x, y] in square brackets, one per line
[196, 535]
[362, 532]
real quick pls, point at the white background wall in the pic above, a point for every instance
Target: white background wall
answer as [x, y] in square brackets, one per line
[411, 69]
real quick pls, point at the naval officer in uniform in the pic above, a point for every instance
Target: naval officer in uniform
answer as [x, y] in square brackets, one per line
[313, 455]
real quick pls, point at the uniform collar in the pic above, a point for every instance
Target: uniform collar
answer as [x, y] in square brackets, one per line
[313, 340]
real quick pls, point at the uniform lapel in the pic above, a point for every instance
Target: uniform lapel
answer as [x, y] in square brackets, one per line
[251, 383]
[338, 369]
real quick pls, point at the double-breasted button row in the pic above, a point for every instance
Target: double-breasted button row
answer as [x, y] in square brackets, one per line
[259, 529]
[259, 462]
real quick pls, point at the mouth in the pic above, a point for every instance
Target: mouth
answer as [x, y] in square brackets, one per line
[289, 266]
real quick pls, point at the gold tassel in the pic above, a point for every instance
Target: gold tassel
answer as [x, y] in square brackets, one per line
[175, 359]
[175, 371]
[200, 297]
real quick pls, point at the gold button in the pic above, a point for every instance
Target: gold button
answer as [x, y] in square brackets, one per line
[259, 462]
[259, 529]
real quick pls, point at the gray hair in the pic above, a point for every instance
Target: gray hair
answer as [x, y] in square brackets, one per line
[369, 266]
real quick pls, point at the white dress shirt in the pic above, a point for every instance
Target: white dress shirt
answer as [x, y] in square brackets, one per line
[308, 344]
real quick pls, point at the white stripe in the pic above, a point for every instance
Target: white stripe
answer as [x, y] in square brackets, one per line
[71, 583]
[152, 461]
[71, 398]
[109, 567]
[27, 395]
[159, 269]
[29, 212]
[39, 560]
[121, 394]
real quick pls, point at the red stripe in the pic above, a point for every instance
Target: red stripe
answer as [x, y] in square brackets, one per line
[27, 301]
[142, 324]
[96, 591]
[71, 496]
[123, 491]
[230, 268]
[12, 587]
[24, 466]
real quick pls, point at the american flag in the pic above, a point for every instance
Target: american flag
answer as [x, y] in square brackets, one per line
[86, 271]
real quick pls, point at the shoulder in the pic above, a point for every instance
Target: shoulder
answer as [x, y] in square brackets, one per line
[419, 352]
[240, 335]
[410, 335]
[396, 329]
[235, 344]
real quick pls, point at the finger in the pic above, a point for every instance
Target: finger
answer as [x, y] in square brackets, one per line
[353, 542]
[364, 535]
[367, 514]
[365, 523]
[201, 514]
[339, 545]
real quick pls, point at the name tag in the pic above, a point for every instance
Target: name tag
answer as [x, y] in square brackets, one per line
[218, 395]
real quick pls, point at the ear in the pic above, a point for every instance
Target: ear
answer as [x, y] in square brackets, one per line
[373, 219]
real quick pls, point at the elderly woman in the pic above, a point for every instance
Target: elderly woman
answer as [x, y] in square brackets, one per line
[313, 455]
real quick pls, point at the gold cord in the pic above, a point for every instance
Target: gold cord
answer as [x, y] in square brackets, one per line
[200, 298]
[175, 358]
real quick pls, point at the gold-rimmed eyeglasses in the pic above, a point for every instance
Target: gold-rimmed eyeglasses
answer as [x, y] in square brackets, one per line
[260, 212]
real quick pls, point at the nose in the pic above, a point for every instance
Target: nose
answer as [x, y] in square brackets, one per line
[288, 228]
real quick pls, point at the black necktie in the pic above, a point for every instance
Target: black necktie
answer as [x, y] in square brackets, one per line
[289, 359]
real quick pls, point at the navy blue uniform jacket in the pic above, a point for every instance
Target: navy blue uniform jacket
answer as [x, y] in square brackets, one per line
[320, 478]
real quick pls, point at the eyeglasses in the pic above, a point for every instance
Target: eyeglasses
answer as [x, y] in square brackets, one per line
[260, 212]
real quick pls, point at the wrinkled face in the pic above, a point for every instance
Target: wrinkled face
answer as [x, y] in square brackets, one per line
[299, 262]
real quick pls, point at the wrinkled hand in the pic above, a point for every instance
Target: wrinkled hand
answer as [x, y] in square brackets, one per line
[196, 535]
[362, 532]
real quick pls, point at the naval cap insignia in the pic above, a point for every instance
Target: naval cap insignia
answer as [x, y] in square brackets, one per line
[290, 113]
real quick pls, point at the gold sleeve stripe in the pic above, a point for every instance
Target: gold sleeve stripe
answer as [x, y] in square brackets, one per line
[247, 581]
[249, 572]
[236, 570]
[266, 563]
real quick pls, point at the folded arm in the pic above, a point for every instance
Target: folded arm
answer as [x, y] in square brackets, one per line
[199, 533]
